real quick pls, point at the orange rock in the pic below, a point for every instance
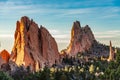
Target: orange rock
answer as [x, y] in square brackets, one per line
[5, 55]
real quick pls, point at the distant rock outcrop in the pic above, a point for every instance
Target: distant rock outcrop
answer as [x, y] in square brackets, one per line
[5, 56]
[82, 39]
[33, 46]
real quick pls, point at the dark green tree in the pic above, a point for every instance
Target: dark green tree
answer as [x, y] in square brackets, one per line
[118, 57]
[4, 76]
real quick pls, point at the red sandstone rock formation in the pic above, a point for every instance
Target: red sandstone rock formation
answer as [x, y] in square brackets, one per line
[33, 45]
[82, 39]
[49, 46]
[5, 56]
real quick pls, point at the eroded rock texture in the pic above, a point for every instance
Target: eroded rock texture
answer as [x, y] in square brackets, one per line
[33, 46]
[82, 39]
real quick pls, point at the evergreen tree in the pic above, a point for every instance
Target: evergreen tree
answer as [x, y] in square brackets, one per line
[4, 76]
[118, 57]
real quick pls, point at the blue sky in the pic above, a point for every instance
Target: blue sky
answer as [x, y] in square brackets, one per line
[103, 16]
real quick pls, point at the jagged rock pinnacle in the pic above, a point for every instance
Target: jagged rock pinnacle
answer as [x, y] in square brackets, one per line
[33, 45]
[81, 39]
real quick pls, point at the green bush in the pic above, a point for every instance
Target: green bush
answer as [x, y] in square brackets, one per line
[4, 76]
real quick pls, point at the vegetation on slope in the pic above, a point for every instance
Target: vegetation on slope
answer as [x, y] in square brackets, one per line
[94, 69]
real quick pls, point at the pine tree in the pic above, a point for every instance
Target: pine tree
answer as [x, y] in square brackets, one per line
[118, 57]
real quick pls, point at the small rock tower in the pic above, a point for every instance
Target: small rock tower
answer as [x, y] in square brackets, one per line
[111, 53]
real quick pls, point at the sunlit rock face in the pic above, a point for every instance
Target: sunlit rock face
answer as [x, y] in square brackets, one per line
[33, 45]
[5, 56]
[82, 39]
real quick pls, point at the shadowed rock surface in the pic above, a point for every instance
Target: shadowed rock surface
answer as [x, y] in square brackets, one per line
[1, 62]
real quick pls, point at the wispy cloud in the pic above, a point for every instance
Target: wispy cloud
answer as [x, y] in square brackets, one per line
[54, 31]
[63, 41]
[19, 7]
[58, 11]
[6, 35]
[60, 36]
[108, 34]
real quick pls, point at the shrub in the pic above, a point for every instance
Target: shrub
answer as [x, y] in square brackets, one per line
[4, 76]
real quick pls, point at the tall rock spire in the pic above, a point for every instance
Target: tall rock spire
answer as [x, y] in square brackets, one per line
[111, 53]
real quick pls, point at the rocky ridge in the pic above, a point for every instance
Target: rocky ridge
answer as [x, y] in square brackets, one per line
[35, 47]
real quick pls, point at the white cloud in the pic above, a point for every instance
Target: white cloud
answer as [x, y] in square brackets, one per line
[62, 36]
[62, 41]
[20, 8]
[54, 31]
[108, 34]
[13, 8]
[6, 35]
[105, 36]
[114, 31]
